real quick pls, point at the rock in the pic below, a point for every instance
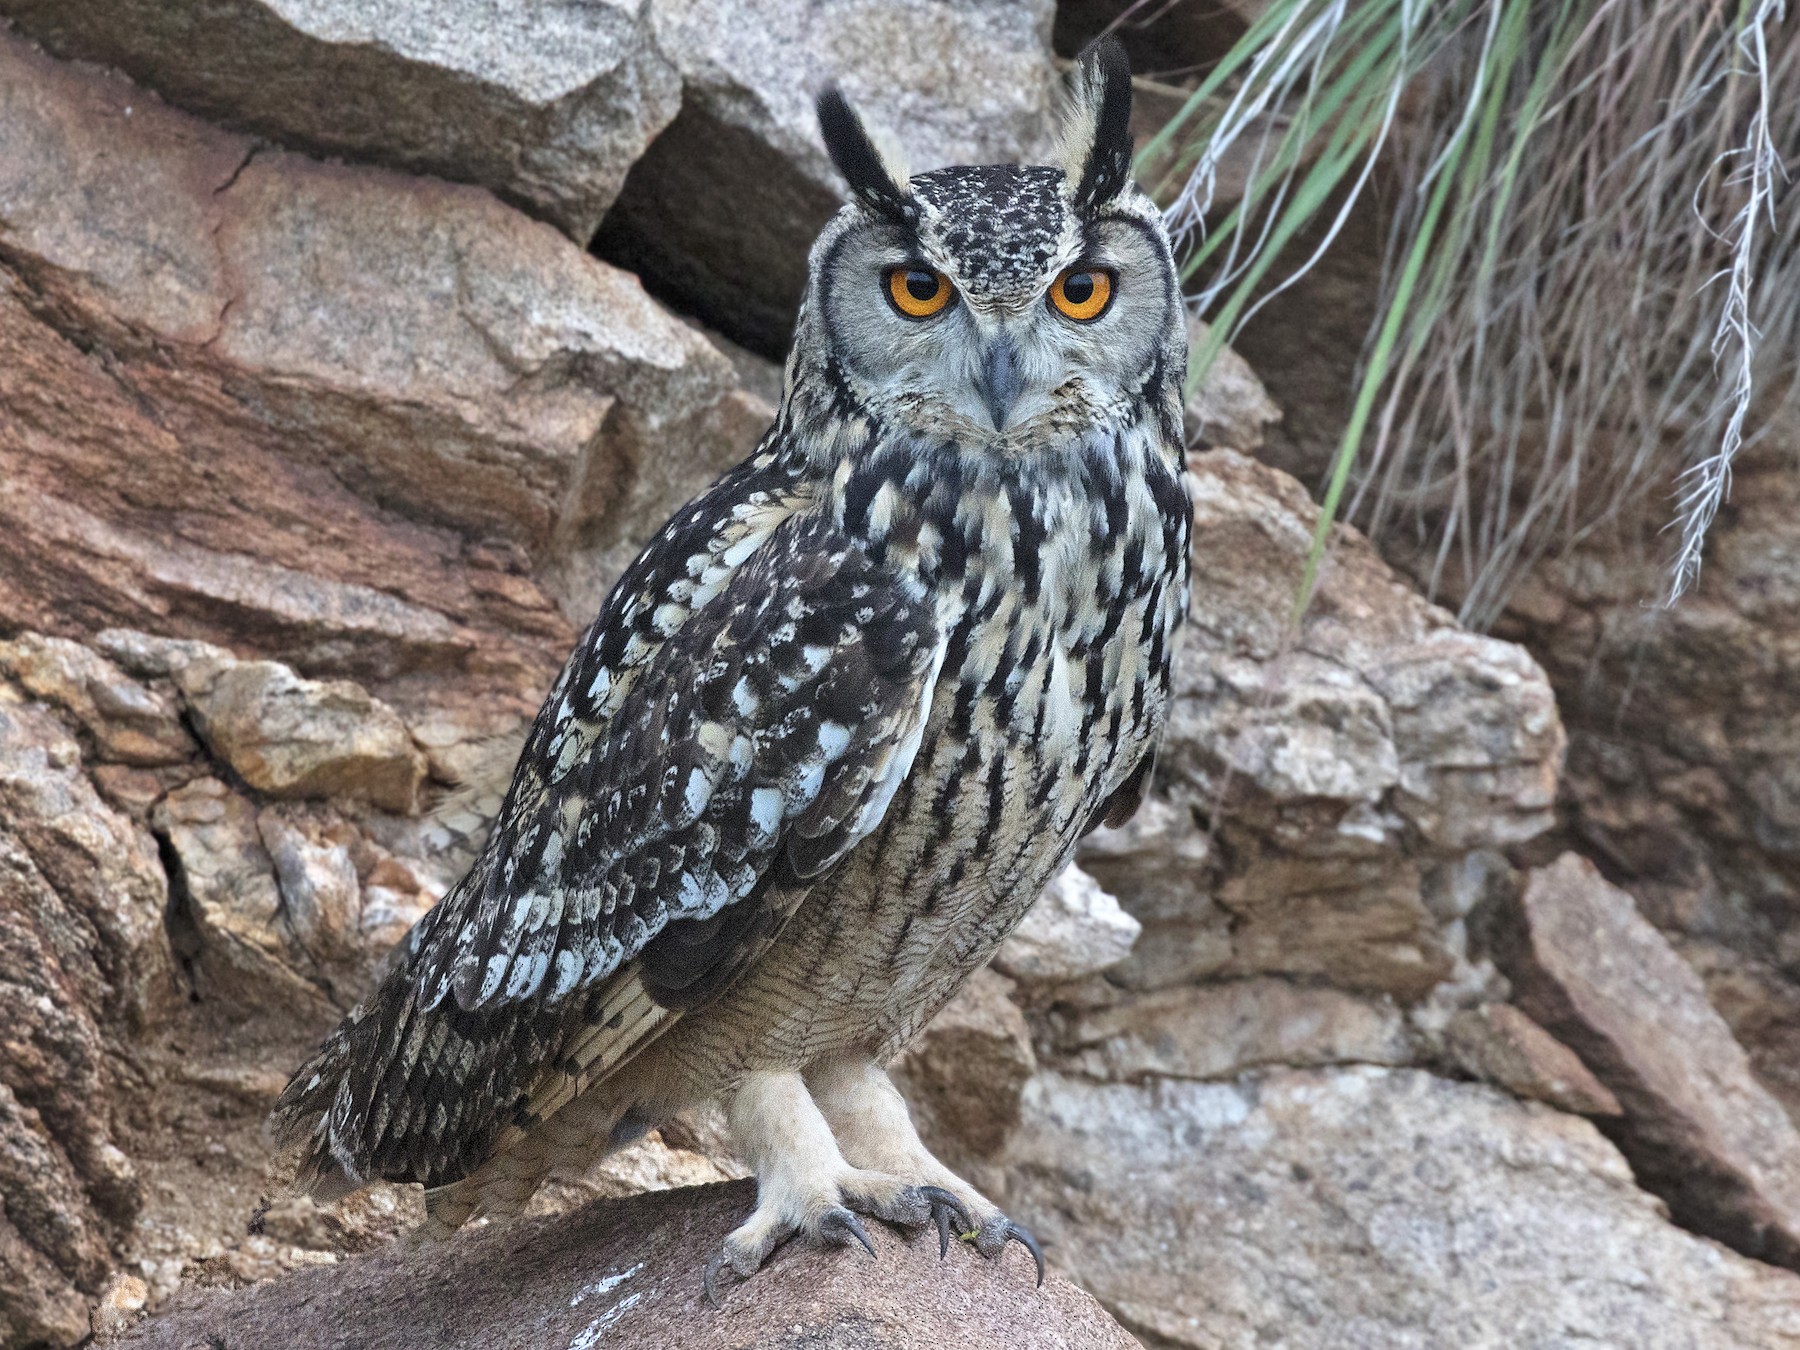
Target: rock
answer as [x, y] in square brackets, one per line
[1230, 408]
[1177, 39]
[1761, 1004]
[84, 967]
[658, 1163]
[548, 109]
[1222, 1030]
[99, 864]
[129, 723]
[119, 1307]
[1161, 864]
[290, 737]
[963, 1075]
[1699, 1129]
[321, 893]
[963, 84]
[1501, 1045]
[335, 417]
[1073, 929]
[283, 911]
[1345, 769]
[627, 1273]
[1370, 1207]
[1684, 725]
[228, 903]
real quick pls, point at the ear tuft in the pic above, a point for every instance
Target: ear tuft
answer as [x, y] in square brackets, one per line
[1096, 133]
[870, 164]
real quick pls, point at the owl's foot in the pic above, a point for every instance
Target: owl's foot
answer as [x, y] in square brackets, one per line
[826, 1216]
[804, 1188]
[871, 1124]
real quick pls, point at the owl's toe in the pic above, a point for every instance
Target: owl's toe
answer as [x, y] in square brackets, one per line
[839, 1228]
[991, 1238]
[743, 1252]
[886, 1198]
[945, 1209]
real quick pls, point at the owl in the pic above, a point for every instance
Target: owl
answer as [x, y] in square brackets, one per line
[831, 732]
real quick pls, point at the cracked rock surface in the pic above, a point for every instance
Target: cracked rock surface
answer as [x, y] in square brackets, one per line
[548, 104]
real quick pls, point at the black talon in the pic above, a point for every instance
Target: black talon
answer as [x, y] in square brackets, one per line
[708, 1280]
[943, 1205]
[840, 1221]
[1022, 1236]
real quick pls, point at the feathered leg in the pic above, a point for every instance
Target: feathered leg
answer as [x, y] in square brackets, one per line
[872, 1126]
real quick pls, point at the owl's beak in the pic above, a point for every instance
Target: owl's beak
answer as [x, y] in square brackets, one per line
[999, 382]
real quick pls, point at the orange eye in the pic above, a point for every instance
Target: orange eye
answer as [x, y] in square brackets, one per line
[1082, 294]
[918, 292]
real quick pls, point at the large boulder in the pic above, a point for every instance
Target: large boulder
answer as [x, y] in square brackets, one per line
[626, 1273]
[1369, 1207]
[720, 212]
[548, 106]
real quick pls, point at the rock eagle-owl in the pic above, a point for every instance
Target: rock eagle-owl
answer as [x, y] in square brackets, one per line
[832, 731]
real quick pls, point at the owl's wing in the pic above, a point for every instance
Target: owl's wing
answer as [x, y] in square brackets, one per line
[772, 728]
[669, 789]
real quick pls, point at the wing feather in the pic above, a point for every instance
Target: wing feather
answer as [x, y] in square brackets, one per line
[778, 713]
[678, 791]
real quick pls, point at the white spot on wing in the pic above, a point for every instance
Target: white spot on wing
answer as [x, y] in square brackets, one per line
[765, 813]
[807, 786]
[490, 981]
[568, 972]
[744, 698]
[699, 792]
[834, 739]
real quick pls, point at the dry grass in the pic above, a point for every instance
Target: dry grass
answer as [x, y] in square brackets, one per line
[1592, 282]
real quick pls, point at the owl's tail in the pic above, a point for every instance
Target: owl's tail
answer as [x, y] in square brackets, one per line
[310, 1129]
[299, 1126]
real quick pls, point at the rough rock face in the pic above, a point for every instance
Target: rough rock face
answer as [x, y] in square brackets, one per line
[1697, 1126]
[966, 1072]
[627, 1273]
[370, 402]
[1684, 752]
[1369, 1207]
[84, 964]
[547, 106]
[720, 212]
[1344, 770]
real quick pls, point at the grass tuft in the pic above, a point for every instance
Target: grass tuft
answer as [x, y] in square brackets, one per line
[1591, 288]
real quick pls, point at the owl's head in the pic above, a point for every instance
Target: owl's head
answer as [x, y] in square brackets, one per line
[1003, 305]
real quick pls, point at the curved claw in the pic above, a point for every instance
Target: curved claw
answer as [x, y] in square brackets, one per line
[1022, 1236]
[709, 1280]
[944, 1205]
[839, 1225]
